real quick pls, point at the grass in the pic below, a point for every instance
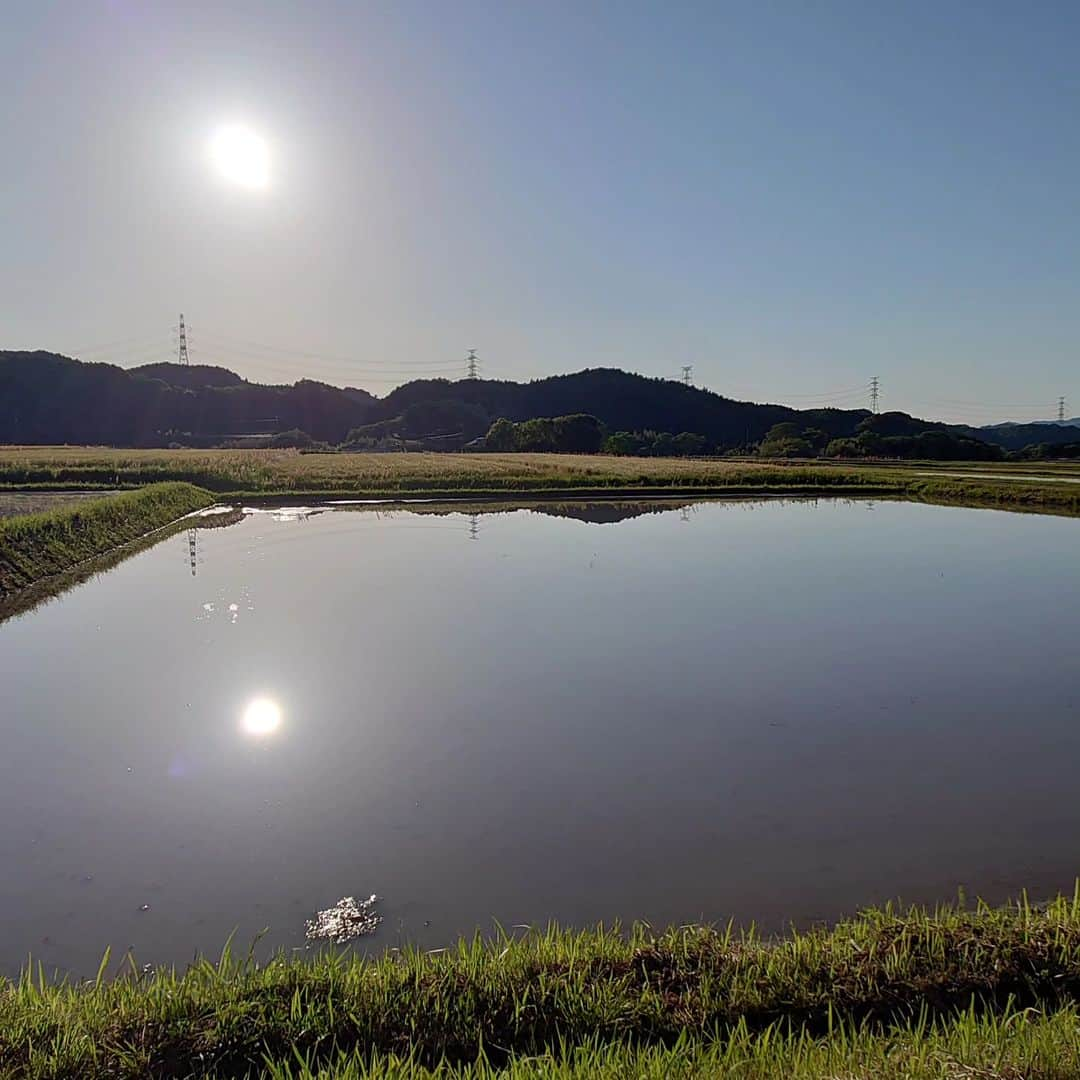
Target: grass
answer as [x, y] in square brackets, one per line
[252, 472]
[34, 547]
[1013, 1045]
[17, 503]
[289, 474]
[902, 985]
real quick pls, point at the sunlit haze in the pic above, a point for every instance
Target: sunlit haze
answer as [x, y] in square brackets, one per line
[792, 198]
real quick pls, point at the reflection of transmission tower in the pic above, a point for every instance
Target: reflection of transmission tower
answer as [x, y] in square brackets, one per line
[182, 356]
[474, 526]
[193, 549]
[684, 514]
[472, 365]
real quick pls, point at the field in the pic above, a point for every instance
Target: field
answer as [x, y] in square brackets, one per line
[251, 473]
[35, 548]
[959, 992]
[285, 471]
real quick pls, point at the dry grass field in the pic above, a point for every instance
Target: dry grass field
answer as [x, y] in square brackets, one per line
[270, 471]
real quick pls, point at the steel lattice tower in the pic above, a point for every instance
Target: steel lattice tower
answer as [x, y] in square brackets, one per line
[182, 357]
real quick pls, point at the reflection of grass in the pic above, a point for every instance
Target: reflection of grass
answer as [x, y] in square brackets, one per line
[890, 993]
[289, 474]
[48, 588]
[38, 546]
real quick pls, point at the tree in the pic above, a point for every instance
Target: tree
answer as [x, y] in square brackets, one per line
[778, 432]
[663, 445]
[295, 438]
[688, 444]
[844, 448]
[578, 433]
[623, 443]
[502, 435]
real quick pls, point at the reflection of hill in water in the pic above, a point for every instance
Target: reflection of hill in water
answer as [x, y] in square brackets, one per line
[596, 513]
[606, 513]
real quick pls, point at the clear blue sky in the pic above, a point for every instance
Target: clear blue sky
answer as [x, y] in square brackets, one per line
[792, 197]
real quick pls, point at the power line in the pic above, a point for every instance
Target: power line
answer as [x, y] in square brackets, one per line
[125, 345]
[347, 367]
[988, 404]
[846, 392]
[300, 366]
[311, 354]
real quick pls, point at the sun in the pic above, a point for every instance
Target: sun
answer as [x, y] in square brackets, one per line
[261, 717]
[240, 156]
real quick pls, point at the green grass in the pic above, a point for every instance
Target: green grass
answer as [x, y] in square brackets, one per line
[903, 983]
[1011, 1045]
[38, 546]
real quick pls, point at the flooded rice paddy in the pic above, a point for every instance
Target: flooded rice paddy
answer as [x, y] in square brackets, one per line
[776, 711]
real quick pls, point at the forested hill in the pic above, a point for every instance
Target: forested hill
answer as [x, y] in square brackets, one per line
[620, 400]
[46, 398]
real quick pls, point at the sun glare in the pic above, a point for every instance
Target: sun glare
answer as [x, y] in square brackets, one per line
[261, 717]
[241, 156]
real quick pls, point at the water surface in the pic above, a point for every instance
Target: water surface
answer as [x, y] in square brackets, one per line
[773, 711]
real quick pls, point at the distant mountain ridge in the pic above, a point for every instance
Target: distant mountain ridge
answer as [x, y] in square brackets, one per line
[48, 398]
[1012, 436]
[1074, 422]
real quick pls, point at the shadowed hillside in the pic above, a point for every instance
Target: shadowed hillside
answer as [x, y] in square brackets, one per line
[46, 398]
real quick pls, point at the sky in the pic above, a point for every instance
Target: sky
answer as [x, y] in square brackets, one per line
[790, 197]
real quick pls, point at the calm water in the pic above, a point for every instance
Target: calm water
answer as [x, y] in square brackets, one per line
[776, 711]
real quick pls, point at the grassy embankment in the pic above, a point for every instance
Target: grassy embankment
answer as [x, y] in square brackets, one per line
[288, 474]
[34, 547]
[889, 993]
